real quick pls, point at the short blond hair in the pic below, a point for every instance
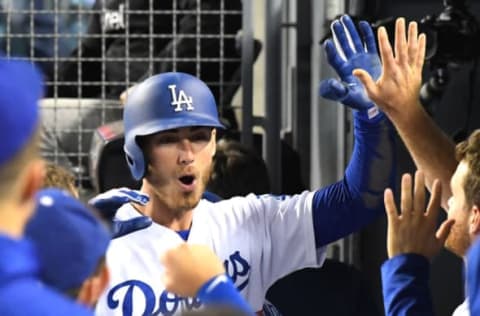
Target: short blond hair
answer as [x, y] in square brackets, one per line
[59, 177]
[469, 151]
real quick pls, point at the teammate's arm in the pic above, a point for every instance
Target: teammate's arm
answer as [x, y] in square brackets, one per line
[405, 286]
[412, 239]
[396, 92]
[220, 291]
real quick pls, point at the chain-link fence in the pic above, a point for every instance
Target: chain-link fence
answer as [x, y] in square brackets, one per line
[92, 51]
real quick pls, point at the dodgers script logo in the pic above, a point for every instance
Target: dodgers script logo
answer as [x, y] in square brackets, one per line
[182, 98]
[237, 268]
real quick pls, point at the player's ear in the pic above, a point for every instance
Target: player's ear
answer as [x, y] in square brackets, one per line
[29, 181]
[214, 140]
[100, 283]
[94, 286]
[32, 180]
[474, 220]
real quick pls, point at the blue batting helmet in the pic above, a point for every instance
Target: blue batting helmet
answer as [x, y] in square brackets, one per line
[162, 102]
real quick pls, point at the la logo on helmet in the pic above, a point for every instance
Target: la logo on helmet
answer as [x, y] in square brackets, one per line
[182, 98]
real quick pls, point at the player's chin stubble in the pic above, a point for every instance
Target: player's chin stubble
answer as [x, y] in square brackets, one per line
[458, 241]
[187, 201]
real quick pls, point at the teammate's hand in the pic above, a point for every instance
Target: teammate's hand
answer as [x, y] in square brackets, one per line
[109, 202]
[346, 56]
[397, 90]
[188, 267]
[414, 230]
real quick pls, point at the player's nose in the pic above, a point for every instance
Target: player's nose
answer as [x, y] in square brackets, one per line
[185, 152]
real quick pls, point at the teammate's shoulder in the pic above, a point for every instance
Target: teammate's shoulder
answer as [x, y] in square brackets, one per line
[30, 297]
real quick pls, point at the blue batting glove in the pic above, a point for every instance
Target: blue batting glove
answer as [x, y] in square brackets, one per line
[348, 54]
[121, 228]
[109, 202]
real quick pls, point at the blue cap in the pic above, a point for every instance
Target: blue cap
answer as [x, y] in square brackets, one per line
[69, 239]
[20, 89]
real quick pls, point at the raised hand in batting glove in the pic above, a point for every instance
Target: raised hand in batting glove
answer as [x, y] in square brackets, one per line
[109, 202]
[350, 52]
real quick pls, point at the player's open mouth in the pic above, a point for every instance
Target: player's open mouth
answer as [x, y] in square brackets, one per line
[187, 182]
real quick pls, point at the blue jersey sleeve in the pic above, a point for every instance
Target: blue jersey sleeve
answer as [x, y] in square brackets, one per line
[405, 286]
[473, 278]
[220, 291]
[355, 201]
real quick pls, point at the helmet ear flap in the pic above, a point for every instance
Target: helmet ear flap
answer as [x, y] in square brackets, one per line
[136, 161]
[129, 159]
[141, 142]
[131, 164]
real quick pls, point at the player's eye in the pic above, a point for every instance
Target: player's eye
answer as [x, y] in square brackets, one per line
[200, 136]
[166, 139]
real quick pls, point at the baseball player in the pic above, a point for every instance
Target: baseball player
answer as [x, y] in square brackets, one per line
[405, 287]
[171, 124]
[21, 173]
[71, 243]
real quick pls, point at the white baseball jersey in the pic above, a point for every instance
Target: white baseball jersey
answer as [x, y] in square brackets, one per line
[260, 239]
[462, 309]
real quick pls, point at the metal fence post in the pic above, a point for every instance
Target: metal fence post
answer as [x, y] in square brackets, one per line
[247, 74]
[273, 16]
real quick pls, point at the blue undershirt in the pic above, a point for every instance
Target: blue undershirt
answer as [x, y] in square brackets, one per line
[184, 234]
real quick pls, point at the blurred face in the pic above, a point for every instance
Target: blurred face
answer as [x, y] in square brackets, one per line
[179, 165]
[458, 240]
